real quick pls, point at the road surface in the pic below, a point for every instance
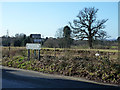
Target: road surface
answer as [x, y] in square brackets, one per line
[17, 78]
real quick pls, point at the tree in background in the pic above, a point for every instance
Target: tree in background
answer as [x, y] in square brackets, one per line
[103, 35]
[6, 40]
[20, 39]
[51, 43]
[17, 43]
[87, 26]
[101, 38]
[59, 33]
[64, 38]
[67, 36]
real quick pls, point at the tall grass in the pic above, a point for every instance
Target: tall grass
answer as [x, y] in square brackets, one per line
[70, 62]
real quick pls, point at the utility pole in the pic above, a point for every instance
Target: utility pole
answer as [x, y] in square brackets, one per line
[8, 43]
[7, 33]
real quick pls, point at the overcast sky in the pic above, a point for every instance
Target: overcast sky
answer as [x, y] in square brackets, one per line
[46, 17]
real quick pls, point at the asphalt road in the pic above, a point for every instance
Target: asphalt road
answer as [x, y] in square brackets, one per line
[17, 78]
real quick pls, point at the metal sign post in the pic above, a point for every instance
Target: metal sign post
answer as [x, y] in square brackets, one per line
[35, 53]
[33, 46]
[36, 38]
[28, 54]
[39, 54]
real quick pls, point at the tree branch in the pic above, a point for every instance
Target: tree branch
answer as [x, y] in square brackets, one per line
[99, 26]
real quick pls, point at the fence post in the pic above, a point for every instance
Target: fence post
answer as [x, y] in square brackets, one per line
[39, 54]
[9, 52]
[35, 53]
[28, 54]
[55, 52]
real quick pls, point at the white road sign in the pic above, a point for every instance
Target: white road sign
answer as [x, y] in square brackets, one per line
[33, 46]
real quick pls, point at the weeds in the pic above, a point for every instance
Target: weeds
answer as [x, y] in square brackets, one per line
[87, 65]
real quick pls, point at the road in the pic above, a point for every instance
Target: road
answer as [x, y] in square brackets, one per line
[17, 78]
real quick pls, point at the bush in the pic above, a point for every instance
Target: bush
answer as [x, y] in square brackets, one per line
[102, 68]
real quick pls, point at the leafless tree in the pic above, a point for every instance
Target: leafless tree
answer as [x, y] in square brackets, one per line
[59, 33]
[102, 35]
[87, 26]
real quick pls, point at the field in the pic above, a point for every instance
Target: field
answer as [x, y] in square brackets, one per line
[70, 62]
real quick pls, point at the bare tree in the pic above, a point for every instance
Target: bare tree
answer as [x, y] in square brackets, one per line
[87, 26]
[102, 35]
[51, 43]
[59, 33]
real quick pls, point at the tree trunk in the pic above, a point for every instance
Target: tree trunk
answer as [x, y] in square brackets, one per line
[90, 42]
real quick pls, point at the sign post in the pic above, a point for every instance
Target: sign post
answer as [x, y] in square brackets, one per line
[36, 39]
[39, 54]
[28, 54]
[35, 53]
[33, 46]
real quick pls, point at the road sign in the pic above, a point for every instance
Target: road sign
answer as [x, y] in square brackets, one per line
[37, 40]
[35, 35]
[33, 46]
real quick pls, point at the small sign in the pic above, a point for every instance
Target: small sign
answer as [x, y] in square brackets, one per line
[33, 46]
[35, 35]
